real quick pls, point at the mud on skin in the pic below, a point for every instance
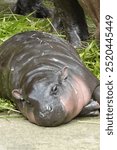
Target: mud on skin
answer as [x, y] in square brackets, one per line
[46, 79]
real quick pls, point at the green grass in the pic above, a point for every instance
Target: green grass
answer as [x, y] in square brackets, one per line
[91, 57]
[7, 105]
[11, 24]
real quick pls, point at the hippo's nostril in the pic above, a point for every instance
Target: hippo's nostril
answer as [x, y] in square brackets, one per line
[41, 114]
[49, 108]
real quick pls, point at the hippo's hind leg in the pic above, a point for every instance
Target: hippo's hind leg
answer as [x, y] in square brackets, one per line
[91, 109]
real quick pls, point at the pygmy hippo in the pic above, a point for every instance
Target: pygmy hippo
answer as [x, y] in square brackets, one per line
[47, 80]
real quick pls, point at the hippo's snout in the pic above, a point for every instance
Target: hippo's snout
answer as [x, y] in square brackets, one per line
[51, 115]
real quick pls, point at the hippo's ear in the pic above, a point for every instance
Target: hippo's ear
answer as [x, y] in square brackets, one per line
[63, 74]
[17, 93]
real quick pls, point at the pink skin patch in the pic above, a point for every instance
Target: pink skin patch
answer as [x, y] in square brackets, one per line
[76, 99]
[27, 112]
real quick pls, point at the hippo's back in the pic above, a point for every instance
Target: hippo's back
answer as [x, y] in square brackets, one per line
[23, 47]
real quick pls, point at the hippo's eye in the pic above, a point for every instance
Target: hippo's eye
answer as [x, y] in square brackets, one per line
[54, 89]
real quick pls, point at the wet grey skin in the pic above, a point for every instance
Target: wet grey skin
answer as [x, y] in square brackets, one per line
[46, 79]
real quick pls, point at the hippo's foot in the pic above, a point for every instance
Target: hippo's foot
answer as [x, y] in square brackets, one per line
[76, 33]
[71, 31]
[73, 36]
[91, 109]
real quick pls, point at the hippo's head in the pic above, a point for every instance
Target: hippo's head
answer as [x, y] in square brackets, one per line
[49, 101]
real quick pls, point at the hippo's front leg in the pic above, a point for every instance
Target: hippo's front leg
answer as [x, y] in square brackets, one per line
[96, 94]
[73, 19]
[91, 109]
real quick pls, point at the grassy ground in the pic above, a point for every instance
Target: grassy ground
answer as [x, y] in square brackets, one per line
[11, 24]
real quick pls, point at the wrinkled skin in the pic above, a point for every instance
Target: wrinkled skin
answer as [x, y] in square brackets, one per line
[46, 79]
